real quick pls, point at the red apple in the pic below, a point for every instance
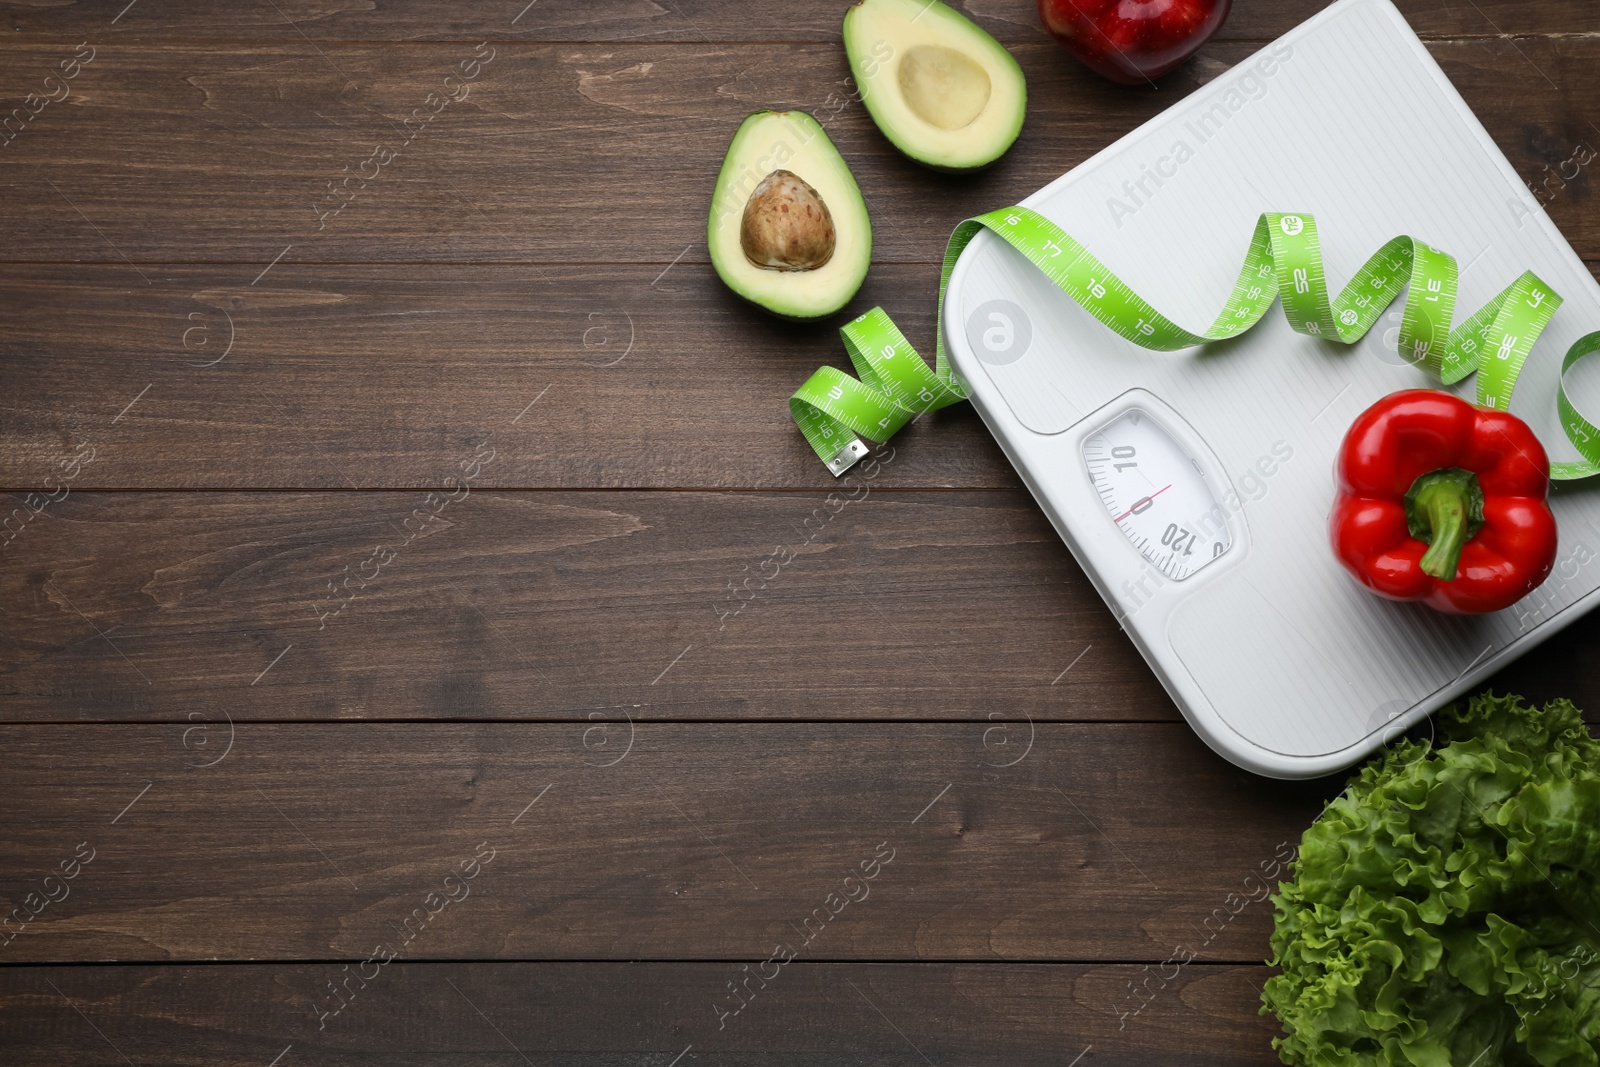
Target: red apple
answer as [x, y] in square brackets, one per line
[1133, 41]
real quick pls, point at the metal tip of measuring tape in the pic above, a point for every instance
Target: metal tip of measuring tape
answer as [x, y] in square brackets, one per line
[847, 457]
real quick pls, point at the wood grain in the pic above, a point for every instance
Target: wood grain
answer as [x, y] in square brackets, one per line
[960, 606]
[699, 841]
[931, 606]
[572, 153]
[689, 21]
[600, 1014]
[367, 376]
[340, 377]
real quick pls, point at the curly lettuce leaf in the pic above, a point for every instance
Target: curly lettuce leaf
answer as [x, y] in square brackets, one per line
[1445, 909]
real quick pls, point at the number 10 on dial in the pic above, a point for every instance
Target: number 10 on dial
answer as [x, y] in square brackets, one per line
[1156, 495]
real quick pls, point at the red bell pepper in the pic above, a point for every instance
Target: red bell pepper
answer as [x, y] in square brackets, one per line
[1444, 502]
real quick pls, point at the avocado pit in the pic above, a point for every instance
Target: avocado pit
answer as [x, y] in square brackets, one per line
[786, 226]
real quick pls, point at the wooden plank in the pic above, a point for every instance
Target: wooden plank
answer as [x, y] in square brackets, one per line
[958, 606]
[226, 152]
[1099, 843]
[597, 1015]
[683, 20]
[386, 377]
[1562, 667]
[341, 377]
[927, 606]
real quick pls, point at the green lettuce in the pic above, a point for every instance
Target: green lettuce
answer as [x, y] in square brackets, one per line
[1444, 911]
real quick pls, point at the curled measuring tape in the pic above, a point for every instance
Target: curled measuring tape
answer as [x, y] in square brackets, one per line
[895, 384]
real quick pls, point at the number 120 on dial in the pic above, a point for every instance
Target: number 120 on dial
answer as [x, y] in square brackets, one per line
[1156, 495]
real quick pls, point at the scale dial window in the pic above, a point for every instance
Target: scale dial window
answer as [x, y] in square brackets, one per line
[1156, 495]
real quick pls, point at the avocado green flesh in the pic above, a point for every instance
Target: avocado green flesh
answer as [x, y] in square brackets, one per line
[940, 88]
[792, 141]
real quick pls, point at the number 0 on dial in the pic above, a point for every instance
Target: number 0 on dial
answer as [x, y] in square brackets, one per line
[1156, 495]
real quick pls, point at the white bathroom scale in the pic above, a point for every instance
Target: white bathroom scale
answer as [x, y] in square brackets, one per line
[1279, 660]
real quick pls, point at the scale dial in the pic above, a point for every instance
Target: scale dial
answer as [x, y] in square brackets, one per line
[1154, 491]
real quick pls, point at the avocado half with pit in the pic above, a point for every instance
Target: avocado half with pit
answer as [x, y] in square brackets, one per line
[788, 227]
[945, 92]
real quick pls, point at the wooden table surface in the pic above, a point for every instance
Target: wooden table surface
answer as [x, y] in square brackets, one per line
[525, 791]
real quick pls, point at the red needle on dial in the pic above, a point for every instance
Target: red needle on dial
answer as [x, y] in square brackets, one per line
[1140, 503]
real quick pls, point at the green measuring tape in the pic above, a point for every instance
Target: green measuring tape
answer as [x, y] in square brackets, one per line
[895, 384]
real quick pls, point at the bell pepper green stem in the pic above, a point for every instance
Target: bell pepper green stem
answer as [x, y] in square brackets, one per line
[1444, 510]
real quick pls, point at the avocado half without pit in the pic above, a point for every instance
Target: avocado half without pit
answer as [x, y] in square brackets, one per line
[940, 88]
[788, 228]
